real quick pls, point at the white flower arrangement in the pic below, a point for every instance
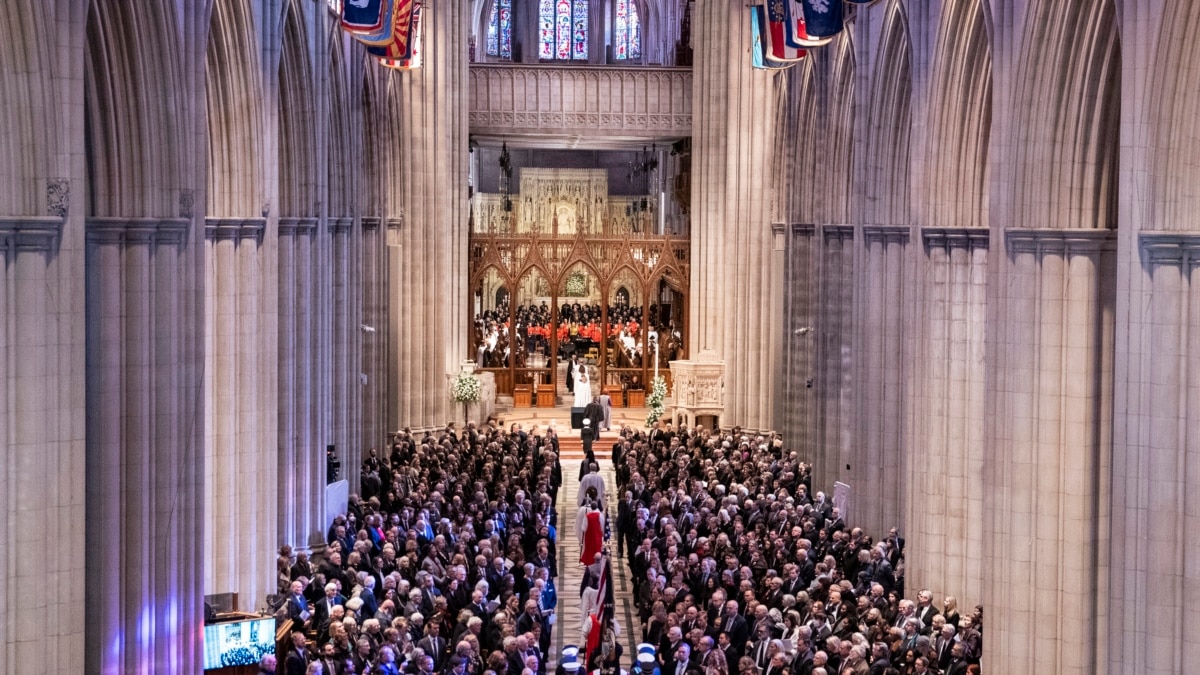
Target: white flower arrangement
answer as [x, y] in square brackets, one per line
[657, 400]
[466, 388]
[576, 286]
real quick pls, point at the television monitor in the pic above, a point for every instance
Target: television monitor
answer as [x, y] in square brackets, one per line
[238, 643]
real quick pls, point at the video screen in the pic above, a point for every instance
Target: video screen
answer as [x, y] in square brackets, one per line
[238, 643]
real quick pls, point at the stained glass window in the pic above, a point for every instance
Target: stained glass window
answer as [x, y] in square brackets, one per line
[499, 35]
[563, 30]
[627, 31]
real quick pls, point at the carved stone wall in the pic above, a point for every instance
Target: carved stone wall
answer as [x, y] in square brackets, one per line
[631, 102]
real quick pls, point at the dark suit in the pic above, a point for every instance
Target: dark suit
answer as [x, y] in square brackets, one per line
[736, 628]
[296, 606]
[295, 664]
[957, 667]
[588, 435]
[943, 649]
[435, 651]
[926, 614]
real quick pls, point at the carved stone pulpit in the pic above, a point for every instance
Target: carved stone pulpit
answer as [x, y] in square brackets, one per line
[699, 388]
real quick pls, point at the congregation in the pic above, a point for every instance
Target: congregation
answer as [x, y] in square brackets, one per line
[740, 569]
[446, 563]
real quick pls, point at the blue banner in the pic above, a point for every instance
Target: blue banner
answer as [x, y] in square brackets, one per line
[362, 15]
[823, 18]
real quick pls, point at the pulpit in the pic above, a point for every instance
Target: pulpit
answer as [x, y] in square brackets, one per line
[699, 388]
[545, 395]
[522, 396]
[637, 398]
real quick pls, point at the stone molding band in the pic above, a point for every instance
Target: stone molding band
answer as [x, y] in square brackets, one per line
[1170, 248]
[1053, 240]
[29, 233]
[955, 237]
[297, 226]
[103, 230]
[887, 233]
[235, 228]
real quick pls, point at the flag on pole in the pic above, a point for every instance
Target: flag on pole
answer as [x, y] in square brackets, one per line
[363, 16]
[778, 50]
[822, 18]
[402, 33]
[602, 614]
[796, 35]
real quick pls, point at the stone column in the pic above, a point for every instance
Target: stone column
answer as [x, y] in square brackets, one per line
[1046, 482]
[526, 31]
[42, 413]
[241, 450]
[346, 338]
[144, 458]
[428, 296]
[301, 415]
[374, 347]
[944, 473]
[733, 297]
[874, 463]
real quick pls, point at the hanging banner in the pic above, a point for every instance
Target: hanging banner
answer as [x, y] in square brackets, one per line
[797, 36]
[822, 18]
[758, 42]
[413, 60]
[399, 11]
[402, 32]
[778, 50]
[365, 17]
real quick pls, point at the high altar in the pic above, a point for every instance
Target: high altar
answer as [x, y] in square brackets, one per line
[562, 268]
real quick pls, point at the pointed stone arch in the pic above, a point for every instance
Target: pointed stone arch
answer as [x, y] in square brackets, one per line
[235, 117]
[297, 133]
[342, 183]
[960, 117]
[1068, 88]
[131, 109]
[891, 114]
[840, 129]
[29, 106]
[1175, 111]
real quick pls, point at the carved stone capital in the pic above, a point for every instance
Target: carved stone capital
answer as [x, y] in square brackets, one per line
[32, 233]
[955, 237]
[169, 231]
[235, 228]
[1170, 248]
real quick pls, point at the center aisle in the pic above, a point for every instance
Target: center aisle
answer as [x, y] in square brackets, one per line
[569, 624]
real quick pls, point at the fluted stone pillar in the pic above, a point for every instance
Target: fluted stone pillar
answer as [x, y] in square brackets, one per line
[144, 458]
[1046, 482]
[241, 457]
[874, 464]
[346, 337]
[42, 413]
[734, 298]
[302, 437]
[427, 288]
[944, 472]
[1156, 462]
[374, 347]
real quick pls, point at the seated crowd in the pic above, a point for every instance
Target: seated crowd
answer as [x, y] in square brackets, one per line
[740, 569]
[447, 563]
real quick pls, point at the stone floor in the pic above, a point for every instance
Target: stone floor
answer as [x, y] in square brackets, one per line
[569, 623]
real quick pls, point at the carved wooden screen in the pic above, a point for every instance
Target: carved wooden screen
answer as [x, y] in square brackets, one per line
[564, 243]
